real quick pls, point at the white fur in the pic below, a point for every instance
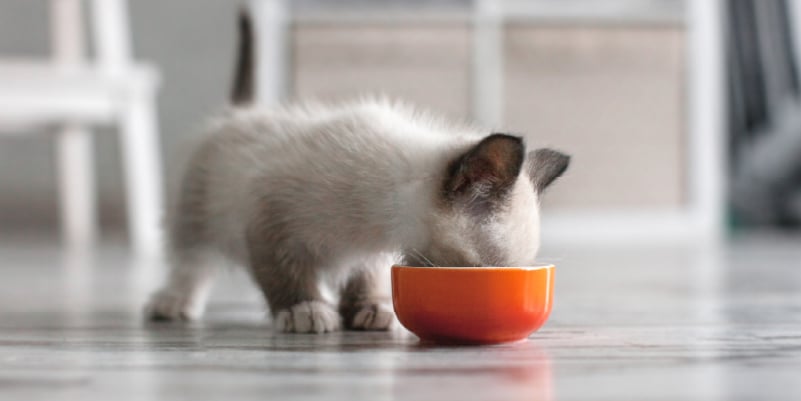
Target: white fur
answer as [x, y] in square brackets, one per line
[387, 160]
[308, 317]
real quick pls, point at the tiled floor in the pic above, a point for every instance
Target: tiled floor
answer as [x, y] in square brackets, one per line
[667, 324]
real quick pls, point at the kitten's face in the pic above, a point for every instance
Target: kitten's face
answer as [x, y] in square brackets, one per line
[490, 206]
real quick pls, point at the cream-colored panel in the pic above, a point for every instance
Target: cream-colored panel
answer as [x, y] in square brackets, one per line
[427, 64]
[613, 97]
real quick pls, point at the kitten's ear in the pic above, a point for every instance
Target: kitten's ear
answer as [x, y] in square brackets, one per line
[546, 165]
[487, 170]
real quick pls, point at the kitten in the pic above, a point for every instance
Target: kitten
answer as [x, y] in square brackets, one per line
[303, 193]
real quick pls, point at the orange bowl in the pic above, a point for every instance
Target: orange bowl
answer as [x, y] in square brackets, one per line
[479, 305]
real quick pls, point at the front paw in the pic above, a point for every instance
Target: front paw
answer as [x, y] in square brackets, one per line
[372, 316]
[167, 305]
[308, 317]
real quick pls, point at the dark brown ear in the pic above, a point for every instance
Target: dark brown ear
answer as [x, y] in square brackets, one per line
[488, 170]
[546, 165]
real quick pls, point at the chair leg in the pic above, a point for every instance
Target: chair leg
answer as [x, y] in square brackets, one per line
[139, 139]
[77, 186]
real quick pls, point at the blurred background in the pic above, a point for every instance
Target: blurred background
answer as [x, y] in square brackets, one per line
[675, 229]
[682, 117]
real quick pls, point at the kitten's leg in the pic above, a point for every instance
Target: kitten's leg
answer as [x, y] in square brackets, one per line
[290, 285]
[193, 262]
[365, 301]
[188, 286]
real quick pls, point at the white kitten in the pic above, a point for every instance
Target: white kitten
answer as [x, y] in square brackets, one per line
[299, 193]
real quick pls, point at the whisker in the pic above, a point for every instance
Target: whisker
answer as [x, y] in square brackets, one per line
[413, 254]
[423, 258]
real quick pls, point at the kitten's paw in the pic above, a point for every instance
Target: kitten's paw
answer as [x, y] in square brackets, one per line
[308, 317]
[377, 317]
[166, 305]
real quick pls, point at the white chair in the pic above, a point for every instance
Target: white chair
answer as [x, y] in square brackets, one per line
[72, 93]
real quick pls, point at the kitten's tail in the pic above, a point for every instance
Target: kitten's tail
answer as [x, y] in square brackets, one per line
[243, 89]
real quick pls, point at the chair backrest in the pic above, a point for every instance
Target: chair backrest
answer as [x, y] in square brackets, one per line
[110, 31]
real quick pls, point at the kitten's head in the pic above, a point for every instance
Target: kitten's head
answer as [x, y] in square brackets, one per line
[488, 213]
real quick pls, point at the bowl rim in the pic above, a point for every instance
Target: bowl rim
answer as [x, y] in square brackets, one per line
[541, 266]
